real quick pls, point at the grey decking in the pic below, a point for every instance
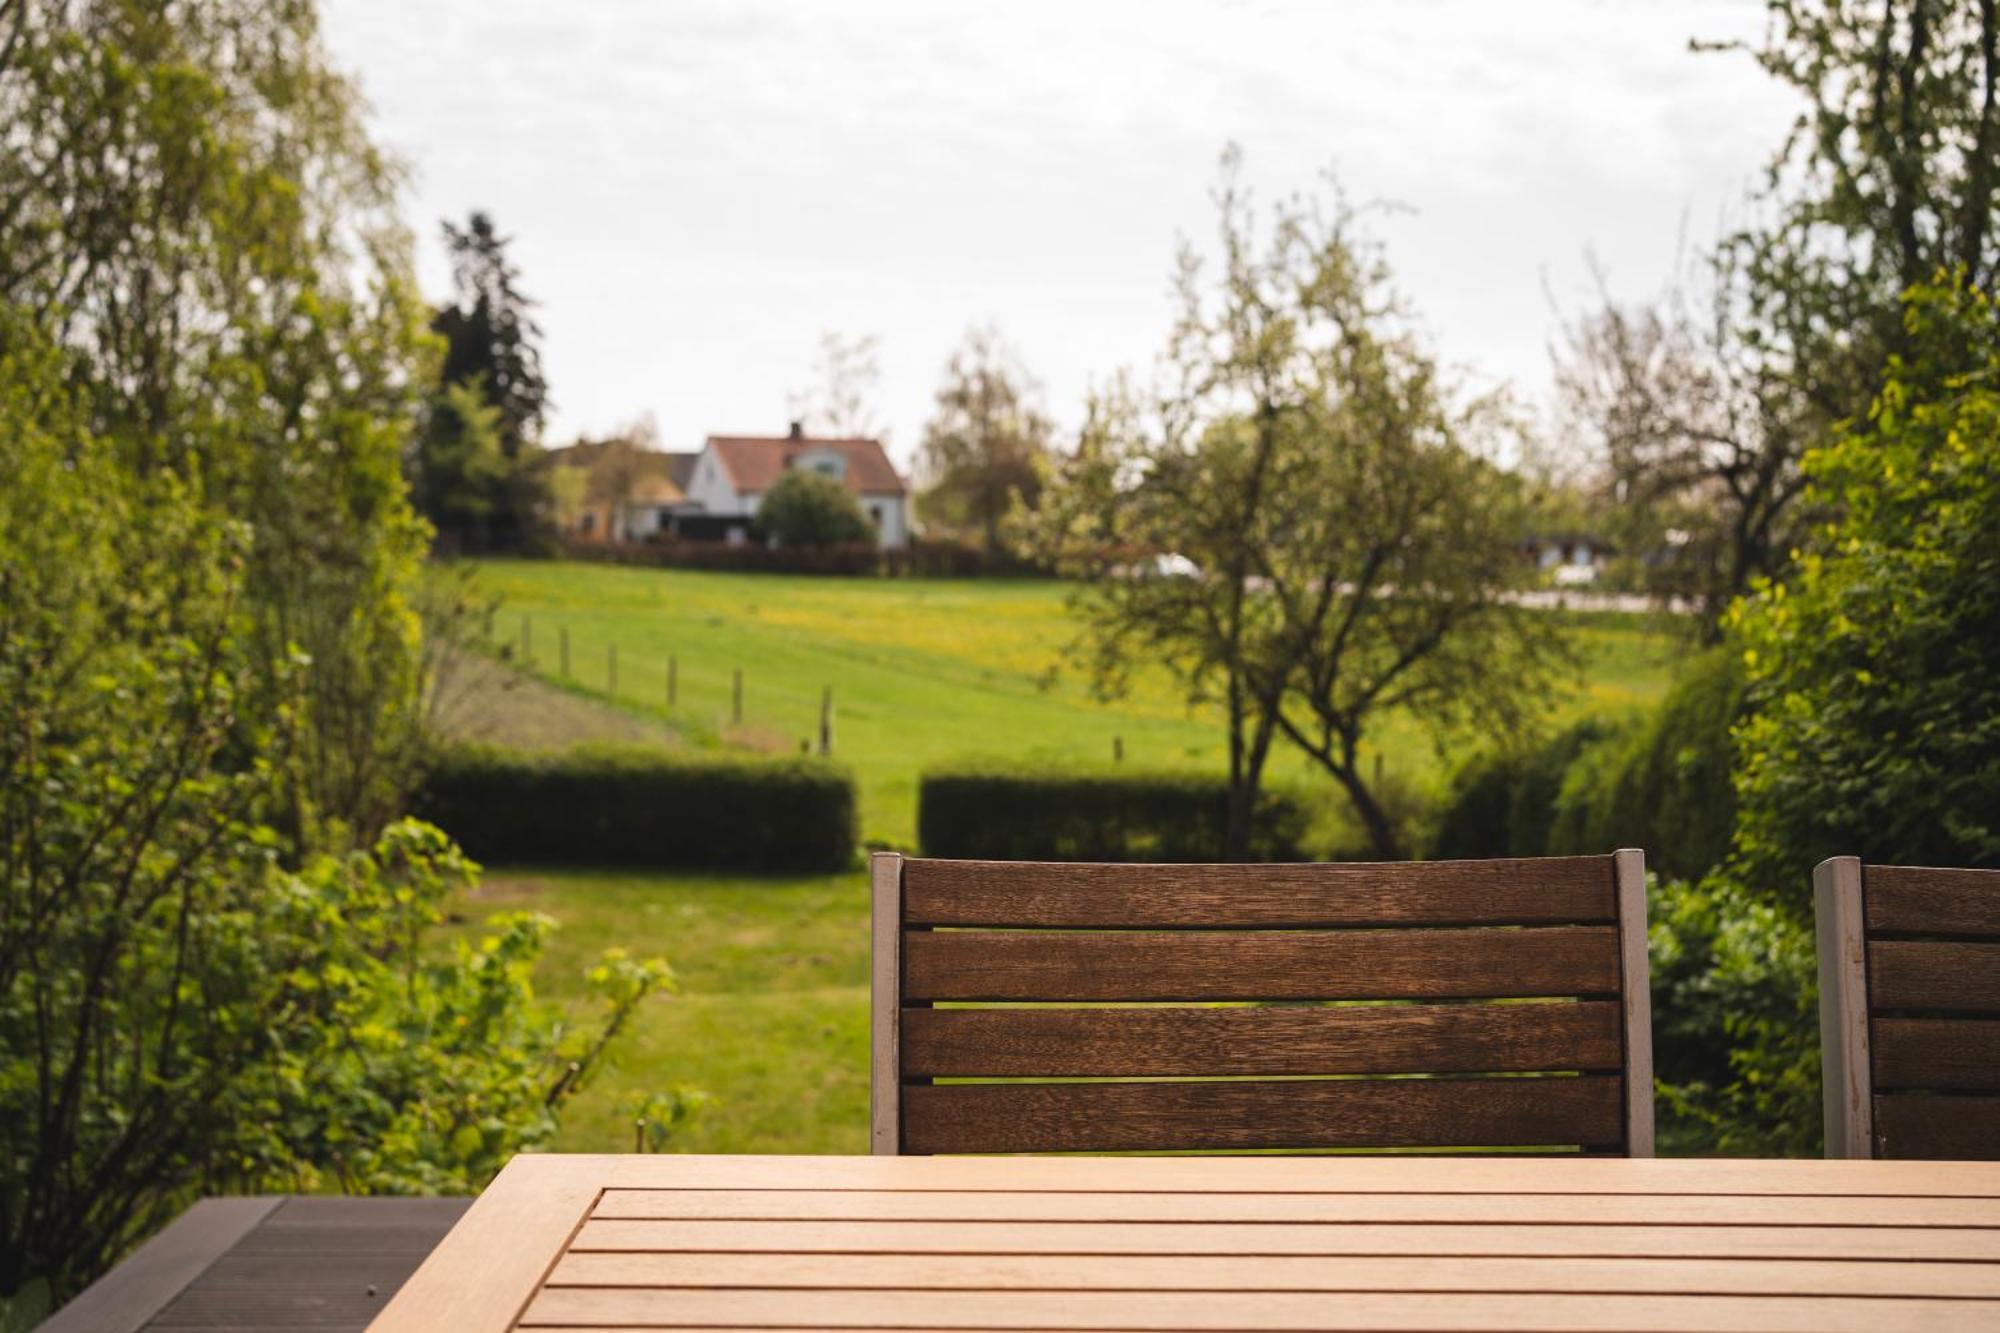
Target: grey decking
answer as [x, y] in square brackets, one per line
[268, 1262]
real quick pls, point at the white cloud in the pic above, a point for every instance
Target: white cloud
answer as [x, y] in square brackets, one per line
[698, 188]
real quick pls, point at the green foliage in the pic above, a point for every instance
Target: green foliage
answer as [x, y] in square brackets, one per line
[1016, 812]
[1302, 524]
[194, 211]
[1660, 781]
[478, 470]
[1504, 803]
[640, 807]
[987, 443]
[212, 972]
[1872, 672]
[1735, 1021]
[1874, 714]
[805, 508]
[183, 1009]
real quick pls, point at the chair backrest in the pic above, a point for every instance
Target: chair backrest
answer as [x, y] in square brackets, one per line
[1909, 1009]
[1200, 1003]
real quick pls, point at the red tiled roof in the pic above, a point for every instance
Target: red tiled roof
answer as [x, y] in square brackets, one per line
[753, 462]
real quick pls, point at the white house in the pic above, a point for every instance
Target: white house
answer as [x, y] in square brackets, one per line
[733, 472]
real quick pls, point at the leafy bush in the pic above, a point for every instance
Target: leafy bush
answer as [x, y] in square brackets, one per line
[1506, 804]
[1014, 812]
[1735, 1021]
[1663, 784]
[806, 508]
[1874, 717]
[640, 807]
[1658, 781]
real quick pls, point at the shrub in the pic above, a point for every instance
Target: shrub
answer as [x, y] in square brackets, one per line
[804, 508]
[1018, 812]
[1506, 804]
[1873, 725]
[641, 807]
[1660, 781]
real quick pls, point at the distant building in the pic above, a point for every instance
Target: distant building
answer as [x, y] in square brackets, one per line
[615, 490]
[732, 474]
[1569, 559]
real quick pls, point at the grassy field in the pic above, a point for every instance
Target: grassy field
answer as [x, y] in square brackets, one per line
[771, 1020]
[922, 671]
[772, 1016]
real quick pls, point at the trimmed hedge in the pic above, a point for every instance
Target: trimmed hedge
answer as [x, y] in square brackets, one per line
[1018, 812]
[626, 806]
[1660, 781]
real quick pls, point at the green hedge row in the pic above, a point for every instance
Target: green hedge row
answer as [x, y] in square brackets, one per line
[641, 807]
[1660, 781]
[1017, 812]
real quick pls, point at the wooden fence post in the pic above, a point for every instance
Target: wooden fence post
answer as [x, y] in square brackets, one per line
[527, 638]
[673, 683]
[562, 642]
[1117, 749]
[611, 669]
[736, 697]
[826, 721]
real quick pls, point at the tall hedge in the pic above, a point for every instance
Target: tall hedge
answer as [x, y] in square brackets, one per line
[1659, 781]
[1013, 812]
[628, 806]
[1505, 804]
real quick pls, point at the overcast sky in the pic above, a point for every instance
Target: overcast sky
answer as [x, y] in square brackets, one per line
[698, 188]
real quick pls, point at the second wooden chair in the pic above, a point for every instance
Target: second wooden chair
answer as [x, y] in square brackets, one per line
[1909, 1009]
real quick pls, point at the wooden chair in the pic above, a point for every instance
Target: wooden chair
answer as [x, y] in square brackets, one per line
[1909, 1009]
[1031, 958]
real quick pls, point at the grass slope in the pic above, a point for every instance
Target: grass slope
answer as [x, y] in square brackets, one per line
[921, 670]
[772, 1016]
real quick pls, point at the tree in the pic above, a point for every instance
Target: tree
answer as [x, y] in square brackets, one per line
[1302, 531]
[847, 373]
[1697, 461]
[1875, 728]
[987, 443]
[490, 351]
[1873, 719]
[180, 1011]
[214, 967]
[190, 204]
[1891, 175]
[804, 508]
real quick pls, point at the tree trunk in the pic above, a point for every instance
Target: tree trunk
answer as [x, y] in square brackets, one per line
[1381, 834]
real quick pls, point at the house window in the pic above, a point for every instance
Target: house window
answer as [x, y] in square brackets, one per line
[875, 515]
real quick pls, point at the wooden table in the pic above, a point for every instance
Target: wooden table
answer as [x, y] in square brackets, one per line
[1215, 1243]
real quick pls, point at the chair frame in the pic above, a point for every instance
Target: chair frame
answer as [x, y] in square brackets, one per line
[1909, 1009]
[886, 1063]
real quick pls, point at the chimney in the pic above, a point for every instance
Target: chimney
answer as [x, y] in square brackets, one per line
[798, 430]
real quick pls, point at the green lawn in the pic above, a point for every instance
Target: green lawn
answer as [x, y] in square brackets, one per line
[922, 671]
[772, 1016]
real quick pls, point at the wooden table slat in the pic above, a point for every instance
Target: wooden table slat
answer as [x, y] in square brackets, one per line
[616, 1308]
[1975, 1244]
[1111, 1206]
[1046, 1272]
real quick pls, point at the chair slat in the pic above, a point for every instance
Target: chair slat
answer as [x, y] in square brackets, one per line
[1954, 1128]
[1139, 1117]
[1260, 965]
[1947, 1054]
[1141, 1043]
[1542, 891]
[1934, 974]
[1921, 900]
